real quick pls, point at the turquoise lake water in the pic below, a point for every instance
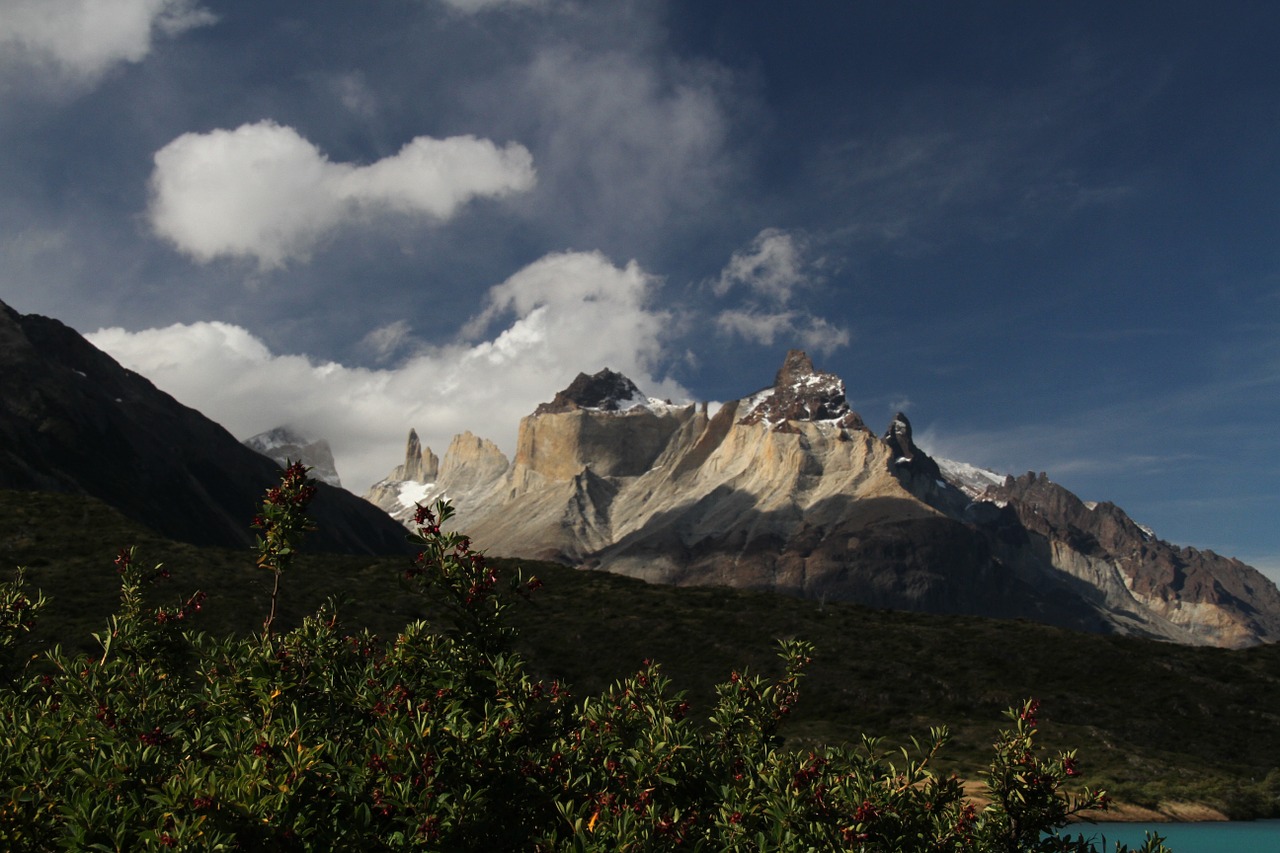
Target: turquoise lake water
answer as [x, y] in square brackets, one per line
[1261, 836]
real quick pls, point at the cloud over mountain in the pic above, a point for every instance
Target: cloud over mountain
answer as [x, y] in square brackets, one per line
[263, 191]
[560, 312]
[1048, 230]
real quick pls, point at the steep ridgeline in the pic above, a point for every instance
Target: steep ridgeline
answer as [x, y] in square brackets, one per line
[72, 420]
[788, 490]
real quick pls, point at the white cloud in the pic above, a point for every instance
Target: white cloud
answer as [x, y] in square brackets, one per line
[773, 269]
[811, 333]
[562, 314]
[609, 302]
[772, 266]
[84, 38]
[263, 191]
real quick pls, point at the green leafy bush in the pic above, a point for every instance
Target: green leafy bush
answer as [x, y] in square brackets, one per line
[317, 739]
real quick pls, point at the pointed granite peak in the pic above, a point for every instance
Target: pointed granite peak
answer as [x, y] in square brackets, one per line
[801, 392]
[607, 391]
[420, 465]
[795, 368]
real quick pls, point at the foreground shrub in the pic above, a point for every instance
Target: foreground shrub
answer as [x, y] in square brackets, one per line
[318, 739]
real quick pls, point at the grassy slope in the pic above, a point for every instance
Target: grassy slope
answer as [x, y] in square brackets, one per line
[1153, 721]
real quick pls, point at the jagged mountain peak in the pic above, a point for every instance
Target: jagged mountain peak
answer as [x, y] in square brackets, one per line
[801, 392]
[420, 464]
[898, 436]
[796, 367]
[277, 437]
[285, 444]
[606, 390]
[918, 471]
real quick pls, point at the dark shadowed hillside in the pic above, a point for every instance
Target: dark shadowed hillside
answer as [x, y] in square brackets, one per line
[72, 420]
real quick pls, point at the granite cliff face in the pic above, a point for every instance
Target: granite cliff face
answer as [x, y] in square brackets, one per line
[73, 420]
[788, 490]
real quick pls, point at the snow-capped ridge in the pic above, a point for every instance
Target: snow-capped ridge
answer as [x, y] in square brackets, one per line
[970, 479]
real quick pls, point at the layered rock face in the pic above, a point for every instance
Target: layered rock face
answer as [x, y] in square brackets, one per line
[788, 490]
[74, 421]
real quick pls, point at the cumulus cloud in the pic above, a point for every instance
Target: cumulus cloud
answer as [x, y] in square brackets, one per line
[263, 191]
[562, 314]
[84, 38]
[772, 270]
[610, 304]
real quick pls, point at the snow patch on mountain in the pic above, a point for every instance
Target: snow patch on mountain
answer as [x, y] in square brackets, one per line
[413, 493]
[970, 479]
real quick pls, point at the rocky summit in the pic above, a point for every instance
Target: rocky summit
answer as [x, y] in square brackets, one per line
[788, 490]
[283, 446]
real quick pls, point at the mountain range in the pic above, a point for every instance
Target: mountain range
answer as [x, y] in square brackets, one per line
[74, 421]
[788, 490]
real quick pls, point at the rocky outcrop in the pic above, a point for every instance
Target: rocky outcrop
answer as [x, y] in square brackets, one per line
[283, 446]
[787, 490]
[74, 421]
[420, 464]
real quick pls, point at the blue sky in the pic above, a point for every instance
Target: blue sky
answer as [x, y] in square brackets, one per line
[1047, 232]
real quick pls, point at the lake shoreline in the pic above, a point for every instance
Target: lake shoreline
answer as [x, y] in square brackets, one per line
[1172, 811]
[1168, 811]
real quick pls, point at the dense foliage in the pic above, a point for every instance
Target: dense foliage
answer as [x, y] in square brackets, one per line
[316, 739]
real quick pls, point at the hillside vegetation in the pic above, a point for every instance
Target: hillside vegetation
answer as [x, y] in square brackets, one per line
[1155, 723]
